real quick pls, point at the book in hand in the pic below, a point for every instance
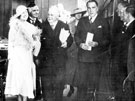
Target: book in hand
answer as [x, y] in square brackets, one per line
[64, 34]
[89, 38]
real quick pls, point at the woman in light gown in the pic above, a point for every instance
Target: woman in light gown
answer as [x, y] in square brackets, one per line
[22, 45]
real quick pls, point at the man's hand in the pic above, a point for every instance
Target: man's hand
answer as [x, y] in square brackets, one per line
[64, 45]
[93, 43]
[84, 46]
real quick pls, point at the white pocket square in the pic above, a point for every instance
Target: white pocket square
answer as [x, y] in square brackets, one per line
[99, 26]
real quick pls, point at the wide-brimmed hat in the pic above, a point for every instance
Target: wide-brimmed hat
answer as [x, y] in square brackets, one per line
[20, 9]
[78, 11]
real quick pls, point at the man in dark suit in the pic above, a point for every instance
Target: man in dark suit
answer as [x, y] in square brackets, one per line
[126, 35]
[127, 53]
[55, 55]
[118, 72]
[33, 18]
[90, 60]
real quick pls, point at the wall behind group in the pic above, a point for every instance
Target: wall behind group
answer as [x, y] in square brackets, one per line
[7, 9]
[5, 13]
[45, 4]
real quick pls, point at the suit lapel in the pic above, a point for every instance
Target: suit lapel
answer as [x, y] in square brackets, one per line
[86, 24]
[57, 29]
[96, 22]
[130, 29]
[131, 25]
[53, 32]
[49, 29]
[93, 25]
[36, 22]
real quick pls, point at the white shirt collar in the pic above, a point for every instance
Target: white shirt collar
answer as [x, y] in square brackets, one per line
[93, 18]
[129, 22]
[32, 18]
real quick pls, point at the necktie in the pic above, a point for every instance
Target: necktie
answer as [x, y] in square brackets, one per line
[32, 21]
[90, 20]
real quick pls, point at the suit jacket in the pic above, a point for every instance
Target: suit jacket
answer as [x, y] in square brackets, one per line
[72, 27]
[116, 31]
[123, 43]
[131, 49]
[131, 55]
[51, 45]
[100, 29]
[37, 23]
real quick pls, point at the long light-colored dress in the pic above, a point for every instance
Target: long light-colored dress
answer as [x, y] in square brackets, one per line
[21, 75]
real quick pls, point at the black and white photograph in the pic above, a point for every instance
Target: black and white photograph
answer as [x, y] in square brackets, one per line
[67, 50]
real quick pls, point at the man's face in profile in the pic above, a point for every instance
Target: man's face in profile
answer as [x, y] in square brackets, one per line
[120, 11]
